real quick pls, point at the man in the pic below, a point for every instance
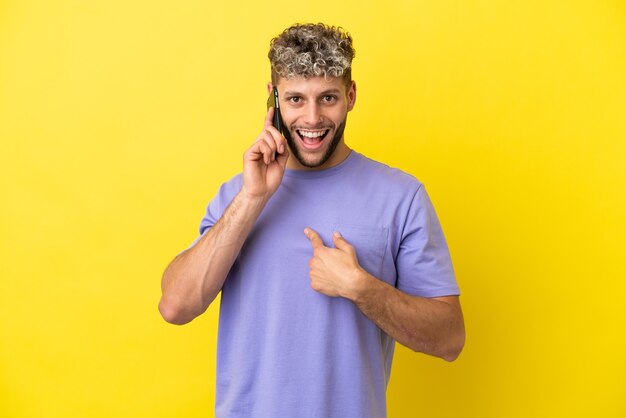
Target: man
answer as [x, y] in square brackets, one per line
[324, 257]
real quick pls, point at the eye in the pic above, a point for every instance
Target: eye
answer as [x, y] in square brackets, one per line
[329, 98]
[294, 99]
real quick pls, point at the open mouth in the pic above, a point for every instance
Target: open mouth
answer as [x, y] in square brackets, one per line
[312, 139]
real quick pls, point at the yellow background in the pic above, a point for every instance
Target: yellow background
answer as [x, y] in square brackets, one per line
[119, 120]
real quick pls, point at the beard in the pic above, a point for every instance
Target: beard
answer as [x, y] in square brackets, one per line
[295, 151]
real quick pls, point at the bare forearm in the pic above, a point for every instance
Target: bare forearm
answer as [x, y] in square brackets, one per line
[430, 326]
[194, 278]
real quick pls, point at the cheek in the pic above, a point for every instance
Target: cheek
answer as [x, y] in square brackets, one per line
[338, 116]
[288, 118]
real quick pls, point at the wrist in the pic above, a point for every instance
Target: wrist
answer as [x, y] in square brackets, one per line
[251, 202]
[363, 285]
[251, 197]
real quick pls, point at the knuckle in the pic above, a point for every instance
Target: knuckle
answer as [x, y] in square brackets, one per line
[269, 142]
[263, 137]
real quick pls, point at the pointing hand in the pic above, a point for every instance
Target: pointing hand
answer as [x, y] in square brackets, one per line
[334, 271]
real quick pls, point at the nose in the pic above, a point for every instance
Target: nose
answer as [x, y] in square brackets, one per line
[313, 115]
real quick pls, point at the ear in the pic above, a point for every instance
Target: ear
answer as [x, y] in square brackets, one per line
[269, 87]
[351, 95]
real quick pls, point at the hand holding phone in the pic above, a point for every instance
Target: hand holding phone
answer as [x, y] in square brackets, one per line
[265, 161]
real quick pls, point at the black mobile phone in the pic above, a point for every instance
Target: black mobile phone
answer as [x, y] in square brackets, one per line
[272, 101]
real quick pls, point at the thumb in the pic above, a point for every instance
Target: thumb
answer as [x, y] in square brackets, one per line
[341, 243]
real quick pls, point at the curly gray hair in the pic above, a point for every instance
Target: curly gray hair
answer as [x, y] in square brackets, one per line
[312, 50]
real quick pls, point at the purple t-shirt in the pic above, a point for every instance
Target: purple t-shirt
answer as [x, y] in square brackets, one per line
[285, 350]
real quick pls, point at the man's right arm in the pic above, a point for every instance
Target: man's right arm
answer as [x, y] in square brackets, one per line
[195, 277]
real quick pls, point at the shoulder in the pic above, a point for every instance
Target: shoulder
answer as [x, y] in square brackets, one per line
[230, 188]
[386, 176]
[226, 193]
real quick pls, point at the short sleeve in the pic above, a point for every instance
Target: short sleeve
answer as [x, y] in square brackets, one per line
[217, 206]
[423, 263]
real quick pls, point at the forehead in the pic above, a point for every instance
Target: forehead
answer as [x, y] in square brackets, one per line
[311, 85]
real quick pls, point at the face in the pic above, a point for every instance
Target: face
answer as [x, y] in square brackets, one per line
[314, 114]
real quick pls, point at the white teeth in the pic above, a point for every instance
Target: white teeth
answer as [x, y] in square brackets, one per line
[312, 134]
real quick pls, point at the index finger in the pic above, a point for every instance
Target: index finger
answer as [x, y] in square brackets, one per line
[269, 117]
[314, 237]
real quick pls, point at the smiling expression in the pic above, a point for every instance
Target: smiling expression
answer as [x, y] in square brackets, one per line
[314, 112]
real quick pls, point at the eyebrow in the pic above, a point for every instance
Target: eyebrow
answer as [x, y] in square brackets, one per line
[325, 92]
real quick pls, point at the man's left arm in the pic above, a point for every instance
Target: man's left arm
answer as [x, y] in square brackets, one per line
[433, 326]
